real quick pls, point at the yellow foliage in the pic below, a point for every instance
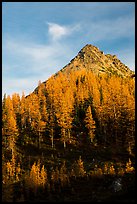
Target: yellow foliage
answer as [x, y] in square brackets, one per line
[18, 172]
[78, 168]
[38, 176]
[111, 170]
[43, 176]
[82, 171]
[90, 123]
[11, 171]
[129, 167]
[98, 171]
[105, 170]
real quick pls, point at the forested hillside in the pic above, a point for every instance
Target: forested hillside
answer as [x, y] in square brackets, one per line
[76, 127]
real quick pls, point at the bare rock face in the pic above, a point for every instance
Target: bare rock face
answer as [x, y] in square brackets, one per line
[91, 58]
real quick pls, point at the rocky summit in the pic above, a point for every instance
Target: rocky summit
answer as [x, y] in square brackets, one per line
[91, 58]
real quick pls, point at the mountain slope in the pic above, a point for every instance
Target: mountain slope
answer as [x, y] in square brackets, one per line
[73, 138]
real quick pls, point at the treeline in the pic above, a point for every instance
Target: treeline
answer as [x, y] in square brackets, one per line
[78, 107]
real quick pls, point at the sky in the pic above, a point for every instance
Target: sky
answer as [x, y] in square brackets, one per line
[40, 38]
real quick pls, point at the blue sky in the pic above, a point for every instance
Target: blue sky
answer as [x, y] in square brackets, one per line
[40, 38]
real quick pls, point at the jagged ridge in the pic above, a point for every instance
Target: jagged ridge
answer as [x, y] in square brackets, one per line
[91, 58]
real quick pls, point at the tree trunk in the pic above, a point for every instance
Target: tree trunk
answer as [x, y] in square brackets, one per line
[52, 138]
[64, 142]
[64, 137]
[39, 141]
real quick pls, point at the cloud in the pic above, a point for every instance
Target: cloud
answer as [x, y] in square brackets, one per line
[25, 63]
[34, 51]
[57, 31]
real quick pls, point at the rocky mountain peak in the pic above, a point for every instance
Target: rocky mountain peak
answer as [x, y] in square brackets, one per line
[88, 48]
[93, 59]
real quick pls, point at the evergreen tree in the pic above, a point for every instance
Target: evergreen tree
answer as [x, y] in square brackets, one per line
[10, 130]
[90, 124]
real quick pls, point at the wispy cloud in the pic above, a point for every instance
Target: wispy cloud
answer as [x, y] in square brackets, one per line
[35, 53]
[57, 31]
[31, 62]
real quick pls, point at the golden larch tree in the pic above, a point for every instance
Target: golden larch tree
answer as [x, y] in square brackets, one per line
[90, 124]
